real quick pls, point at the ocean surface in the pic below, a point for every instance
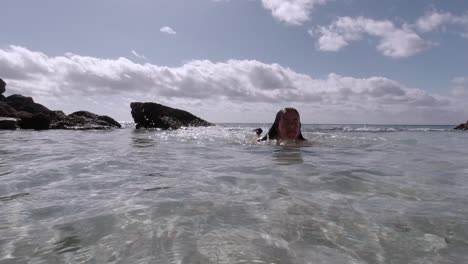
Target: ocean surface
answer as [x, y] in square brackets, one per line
[353, 194]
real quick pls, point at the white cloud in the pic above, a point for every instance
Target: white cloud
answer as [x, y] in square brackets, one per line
[460, 80]
[294, 12]
[138, 55]
[167, 30]
[73, 82]
[435, 19]
[460, 92]
[394, 42]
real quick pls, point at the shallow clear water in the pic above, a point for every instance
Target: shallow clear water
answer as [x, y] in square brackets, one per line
[355, 194]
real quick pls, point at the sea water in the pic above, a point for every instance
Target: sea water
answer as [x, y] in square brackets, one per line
[353, 194]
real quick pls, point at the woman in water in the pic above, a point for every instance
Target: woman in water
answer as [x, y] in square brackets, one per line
[286, 128]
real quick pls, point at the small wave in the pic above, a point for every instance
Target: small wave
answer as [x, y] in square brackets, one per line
[127, 124]
[378, 129]
[350, 129]
[329, 128]
[371, 129]
[425, 129]
[318, 128]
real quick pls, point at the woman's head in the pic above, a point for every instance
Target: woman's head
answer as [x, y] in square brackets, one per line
[287, 126]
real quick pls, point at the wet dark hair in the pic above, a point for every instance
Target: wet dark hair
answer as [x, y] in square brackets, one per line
[273, 133]
[258, 131]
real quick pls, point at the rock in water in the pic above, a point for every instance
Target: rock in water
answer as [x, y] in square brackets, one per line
[462, 126]
[2, 89]
[30, 115]
[153, 115]
[6, 110]
[27, 104]
[83, 120]
[38, 121]
[8, 123]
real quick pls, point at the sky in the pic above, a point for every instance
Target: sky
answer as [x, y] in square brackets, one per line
[336, 61]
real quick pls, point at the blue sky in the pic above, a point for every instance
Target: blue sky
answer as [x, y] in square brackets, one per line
[337, 61]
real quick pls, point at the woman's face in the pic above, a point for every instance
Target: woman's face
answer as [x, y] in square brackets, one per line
[289, 125]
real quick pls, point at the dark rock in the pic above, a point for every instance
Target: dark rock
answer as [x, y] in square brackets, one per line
[23, 103]
[2, 89]
[6, 110]
[109, 120]
[462, 126]
[27, 120]
[83, 120]
[39, 121]
[153, 115]
[8, 123]
[32, 115]
[2, 86]
[23, 114]
[57, 115]
[37, 116]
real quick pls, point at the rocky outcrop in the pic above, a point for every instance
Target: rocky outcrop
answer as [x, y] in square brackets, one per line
[8, 123]
[153, 115]
[462, 126]
[2, 89]
[2, 86]
[6, 110]
[83, 120]
[26, 104]
[31, 115]
[37, 121]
